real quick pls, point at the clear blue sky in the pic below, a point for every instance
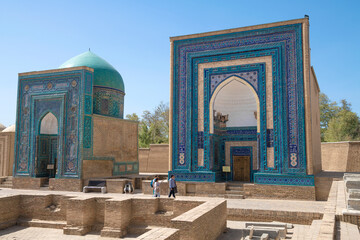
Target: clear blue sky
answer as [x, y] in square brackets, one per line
[134, 37]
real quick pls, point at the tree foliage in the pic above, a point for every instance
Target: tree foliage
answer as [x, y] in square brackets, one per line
[344, 127]
[153, 126]
[338, 123]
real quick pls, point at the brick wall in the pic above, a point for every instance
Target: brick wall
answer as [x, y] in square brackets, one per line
[154, 159]
[66, 184]
[117, 218]
[207, 221]
[27, 182]
[9, 211]
[80, 216]
[279, 192]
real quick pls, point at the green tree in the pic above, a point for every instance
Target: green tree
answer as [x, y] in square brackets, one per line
[144, 136]
[153, 126]
[133, 117]
[328, 110]
[344, 127]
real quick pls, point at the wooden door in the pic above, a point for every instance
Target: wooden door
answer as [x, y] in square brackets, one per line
[52, 165]
[42, 156]
[241, 168]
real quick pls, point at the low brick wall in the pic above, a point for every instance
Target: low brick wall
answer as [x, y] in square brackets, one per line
[117, 218]
[263, 191]
[183, 219]
[207, 221]
[254, 215]
[340, 156]
[80, 216]
[9, 211]
[116, 185]
[27, 182]
[188, 188]
[43, 207]
[65, 184]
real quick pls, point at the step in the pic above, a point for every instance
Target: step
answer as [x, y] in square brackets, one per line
[352, 184]
[354, 193]
[234, 192]
[234, 196]
[353, 203]
[237, 188]
[41, 223]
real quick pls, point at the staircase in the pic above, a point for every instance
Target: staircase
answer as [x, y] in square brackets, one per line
[352, 183]
[234, 190]
[7, 183]
[45, 184]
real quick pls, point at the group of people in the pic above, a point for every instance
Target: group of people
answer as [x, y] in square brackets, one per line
[155, 184]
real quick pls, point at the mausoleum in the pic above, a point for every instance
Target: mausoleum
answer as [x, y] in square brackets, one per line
[245, 106]
[70, 125]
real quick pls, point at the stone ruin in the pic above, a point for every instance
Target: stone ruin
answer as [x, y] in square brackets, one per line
[265, 230]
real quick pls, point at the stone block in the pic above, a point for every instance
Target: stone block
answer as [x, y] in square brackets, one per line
[354, 204]
[118, 214]
[116, 185]
[352, 184]
[354, 193]
[80, 216]
[27, 182]
[66, 184]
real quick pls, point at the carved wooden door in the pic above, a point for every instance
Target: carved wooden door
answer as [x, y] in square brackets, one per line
[241, 168]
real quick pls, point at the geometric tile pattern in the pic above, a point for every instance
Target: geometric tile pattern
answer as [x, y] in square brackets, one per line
[67, 95]
[284, 45]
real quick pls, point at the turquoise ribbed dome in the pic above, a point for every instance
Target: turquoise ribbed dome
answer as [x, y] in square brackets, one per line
[104, 74]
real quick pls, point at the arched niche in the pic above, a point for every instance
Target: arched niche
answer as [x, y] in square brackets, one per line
[49, 124]
[237, 98]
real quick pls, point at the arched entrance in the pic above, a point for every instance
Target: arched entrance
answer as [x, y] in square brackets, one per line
[234, 111]
[47, 147]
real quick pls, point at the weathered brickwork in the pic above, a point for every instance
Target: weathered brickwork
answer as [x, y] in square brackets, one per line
[28, 183]
[9, 211]
[65, 184]
[236, 214]
[172, 219]
[279, 192]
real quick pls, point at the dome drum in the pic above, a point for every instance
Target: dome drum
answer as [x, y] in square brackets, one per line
[108, 86]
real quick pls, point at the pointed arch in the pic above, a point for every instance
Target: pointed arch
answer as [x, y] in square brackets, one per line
[220, 87]
[49, 124]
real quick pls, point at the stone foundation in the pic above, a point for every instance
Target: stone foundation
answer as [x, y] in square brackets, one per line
[169, 218]
[27, 182]
[66, 184]
[263, 191]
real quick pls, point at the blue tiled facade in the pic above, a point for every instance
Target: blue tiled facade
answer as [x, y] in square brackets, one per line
[71, 97]
[287, 137]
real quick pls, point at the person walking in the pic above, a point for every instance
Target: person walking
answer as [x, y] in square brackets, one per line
[152, 184]
[172, 186]
[157, 188]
